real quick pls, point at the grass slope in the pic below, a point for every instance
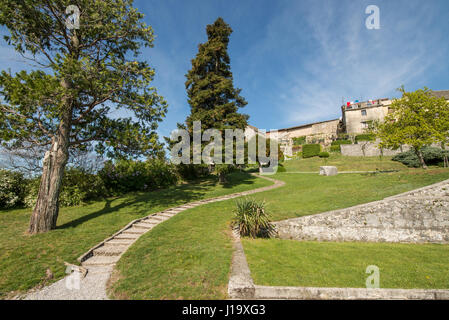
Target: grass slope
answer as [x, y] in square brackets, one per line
[277, 262]
[344, 163]
[24, 259]
[189, 255]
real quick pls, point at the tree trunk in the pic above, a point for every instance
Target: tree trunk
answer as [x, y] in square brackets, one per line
[46, 211]
[222, 177]
[421, 158]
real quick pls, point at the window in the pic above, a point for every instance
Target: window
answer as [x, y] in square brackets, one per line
[364, 125]
[363, 112]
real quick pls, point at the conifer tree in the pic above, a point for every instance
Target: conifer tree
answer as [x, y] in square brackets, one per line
[211, 94]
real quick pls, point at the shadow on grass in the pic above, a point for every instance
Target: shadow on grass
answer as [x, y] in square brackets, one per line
[164, 198]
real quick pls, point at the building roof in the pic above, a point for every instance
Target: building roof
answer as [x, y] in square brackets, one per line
[253, 127]
[441, 93]
[306, 125]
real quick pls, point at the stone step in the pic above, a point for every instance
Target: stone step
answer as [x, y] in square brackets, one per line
[100, 261]
[157, 218]
[133, 230]
[144, 225]
[166, 214]
[110, 250]
[127, 236]
[119, 242]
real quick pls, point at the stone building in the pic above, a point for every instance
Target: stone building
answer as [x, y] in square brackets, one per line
[356, 119]
[318, 132]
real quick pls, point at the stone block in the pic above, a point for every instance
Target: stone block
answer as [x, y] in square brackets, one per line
[328, 171]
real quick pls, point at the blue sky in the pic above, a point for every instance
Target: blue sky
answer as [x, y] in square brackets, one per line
[297, 60]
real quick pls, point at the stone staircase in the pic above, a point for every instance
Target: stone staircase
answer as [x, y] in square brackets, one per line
[109, 251]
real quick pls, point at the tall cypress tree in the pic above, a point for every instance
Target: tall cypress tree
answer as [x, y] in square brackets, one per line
[211, 94]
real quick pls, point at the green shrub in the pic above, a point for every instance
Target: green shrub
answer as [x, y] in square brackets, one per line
[336, 148]
[323, 154]
[127, 175]
[365, 137]
[298, 141]
[78, 186]
[339, 142]
[431, 155]
[251, 219]
[310, 150]
[12, 189]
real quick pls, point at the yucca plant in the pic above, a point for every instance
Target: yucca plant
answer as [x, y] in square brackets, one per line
[251, 219]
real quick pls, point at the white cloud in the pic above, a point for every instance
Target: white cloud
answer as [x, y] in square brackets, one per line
[348, 61]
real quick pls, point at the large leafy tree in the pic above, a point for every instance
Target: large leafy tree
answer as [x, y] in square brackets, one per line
[417, 119]
[211, 94]
[83, 73]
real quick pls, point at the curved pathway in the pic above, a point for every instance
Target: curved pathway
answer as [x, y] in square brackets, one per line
[100, 259]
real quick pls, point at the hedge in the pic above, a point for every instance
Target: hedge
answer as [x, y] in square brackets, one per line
[310, 150]
[323, 154]
[339, 142]
[365, 137]
[335, 148]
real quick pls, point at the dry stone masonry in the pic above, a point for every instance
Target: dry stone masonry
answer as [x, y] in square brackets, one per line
[418, 216]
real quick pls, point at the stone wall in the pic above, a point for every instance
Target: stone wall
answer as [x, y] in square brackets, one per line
[368, 149]
[418, 216]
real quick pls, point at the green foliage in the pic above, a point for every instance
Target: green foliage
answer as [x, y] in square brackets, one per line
[311, 150]
[192, 171]
[431, 155]
[78, 186]
[251, 219]
[255, 140]
[365, 137]
[417, 119]
[210, 90]
[128, 175]
[339, 142]
[298, 141]
[323, 154]
[12, 189]
[89, 72]
[336, 148]
[211, 94]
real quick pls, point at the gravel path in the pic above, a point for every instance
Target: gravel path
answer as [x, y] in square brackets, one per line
[100, 260]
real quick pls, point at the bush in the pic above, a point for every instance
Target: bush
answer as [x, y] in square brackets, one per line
[431, 155]
[78, 186]
[12, 189]
[310, 150]
[251, 219]
[127, 175]
[365, 137]
[298, 141]
[323, 154]
[339, 142]
[336, 148]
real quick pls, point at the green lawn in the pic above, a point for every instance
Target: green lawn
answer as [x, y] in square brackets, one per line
[189, 255]
[344, 163]
[277, 262]
[311, 193]
[186, 257]
[24, 259]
